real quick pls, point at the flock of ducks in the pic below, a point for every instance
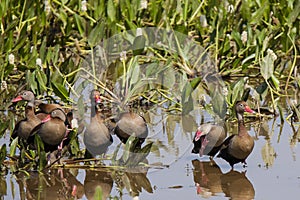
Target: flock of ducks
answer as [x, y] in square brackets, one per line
[51, 123]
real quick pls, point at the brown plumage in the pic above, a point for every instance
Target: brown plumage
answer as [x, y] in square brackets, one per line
[208, 139]
[52, 130]
[236, 148]
[131, 123]
[47, 108]
[24, 127]
[96, 137]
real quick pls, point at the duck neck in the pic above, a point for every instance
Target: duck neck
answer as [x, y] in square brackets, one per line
[241, 125]
[94, 110]
[29, 111]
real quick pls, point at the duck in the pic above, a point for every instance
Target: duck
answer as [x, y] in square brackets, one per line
[97, 137]
[131, 123]
[52, 130]
[236, 148]
[24, 127]
[208, 139]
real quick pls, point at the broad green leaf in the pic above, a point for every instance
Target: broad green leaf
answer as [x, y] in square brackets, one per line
[267, 67]
[151, 69]
[129, 147]
[139, 155]
[60, 90]
[138, 45]
[111, 10]
[219, 103]
[238, 90]
[189, 88]
[97, 34]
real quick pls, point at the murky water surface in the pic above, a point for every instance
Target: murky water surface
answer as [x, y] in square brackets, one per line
[273, 170]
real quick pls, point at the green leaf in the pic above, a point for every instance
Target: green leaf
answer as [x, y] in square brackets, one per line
[275, 81]
[139, 45]
[38, 143]
[114, 156]
[186, 96]
[79, 23]
[294, 15]
[267, 67]
[140, 155]
[129, 147]
[237, 37]
[30, 77]
[60, 90]
[111, 10]
[97, 34]
[13, 147]
[219, 103]
[134, 73]
[238, 90]
[42, 80]
[3, 127]
[40, 152]
[2, 153]
[98, 193]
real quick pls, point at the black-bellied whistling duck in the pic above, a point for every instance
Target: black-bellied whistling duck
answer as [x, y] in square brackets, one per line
[236, 148]
[131, 123]
[24, 127]
[52, 130]
[96, 137]
[208, 139]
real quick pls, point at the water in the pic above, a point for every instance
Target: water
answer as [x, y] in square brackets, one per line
[272, 171]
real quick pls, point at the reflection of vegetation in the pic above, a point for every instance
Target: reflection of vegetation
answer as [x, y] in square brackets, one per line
[132, 156]
[254, 47]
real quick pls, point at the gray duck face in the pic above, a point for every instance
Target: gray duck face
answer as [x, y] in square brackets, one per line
[242, 106]
[58, 113]
[25, 96]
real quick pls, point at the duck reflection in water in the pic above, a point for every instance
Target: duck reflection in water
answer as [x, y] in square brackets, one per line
[207, 178]
[210, 181]
[97, 178]
[237, 186]
[52, 184]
